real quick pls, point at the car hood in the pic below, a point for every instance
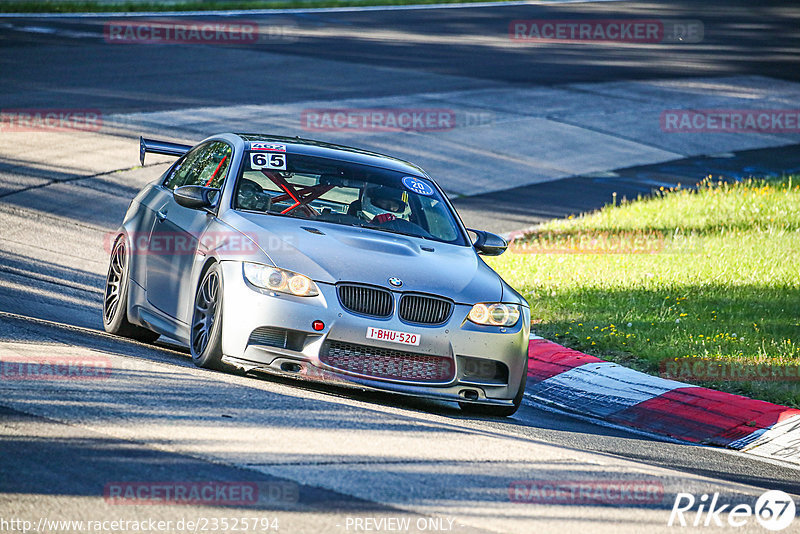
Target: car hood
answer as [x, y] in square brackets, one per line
[331, 253]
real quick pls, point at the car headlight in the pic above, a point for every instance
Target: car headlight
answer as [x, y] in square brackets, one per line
[494, 314]
[280, 280]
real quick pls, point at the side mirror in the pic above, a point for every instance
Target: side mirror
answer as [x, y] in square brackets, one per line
[489, 244]
[195, 197]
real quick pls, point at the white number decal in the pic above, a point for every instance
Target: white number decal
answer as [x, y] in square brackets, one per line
[272, 147]
[268, 161]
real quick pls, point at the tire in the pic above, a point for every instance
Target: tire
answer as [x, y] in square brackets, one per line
[206, 334]
[497, 411]
[115, 297]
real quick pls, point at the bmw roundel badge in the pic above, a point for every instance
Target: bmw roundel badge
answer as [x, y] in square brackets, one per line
[396, 282]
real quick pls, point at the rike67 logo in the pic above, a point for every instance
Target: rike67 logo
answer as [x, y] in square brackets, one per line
[774, 510]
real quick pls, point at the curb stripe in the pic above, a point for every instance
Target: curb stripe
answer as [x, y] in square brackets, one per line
[547, 359]
[602, 388]
[703, 415]
[588, 385]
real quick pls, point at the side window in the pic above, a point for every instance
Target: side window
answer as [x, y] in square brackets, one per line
[206, 165]
[184, 168]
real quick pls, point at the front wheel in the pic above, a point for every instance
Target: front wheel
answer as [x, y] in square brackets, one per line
[206, 335]
[497, 411]
[115, 299]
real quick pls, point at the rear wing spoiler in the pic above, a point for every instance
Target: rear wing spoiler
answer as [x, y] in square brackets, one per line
[154, 146]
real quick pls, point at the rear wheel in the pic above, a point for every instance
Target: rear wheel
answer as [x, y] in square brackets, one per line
[115, 301]
[206, 336]
[497, 411]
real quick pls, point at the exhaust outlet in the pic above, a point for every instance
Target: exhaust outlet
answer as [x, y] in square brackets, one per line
[290, 367]
[469, 394]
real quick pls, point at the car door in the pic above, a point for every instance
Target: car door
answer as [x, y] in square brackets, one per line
[176, 230]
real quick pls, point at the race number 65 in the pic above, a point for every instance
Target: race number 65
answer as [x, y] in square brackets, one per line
[268, 161]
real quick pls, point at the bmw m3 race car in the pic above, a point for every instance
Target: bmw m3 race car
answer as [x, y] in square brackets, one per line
[297, 257]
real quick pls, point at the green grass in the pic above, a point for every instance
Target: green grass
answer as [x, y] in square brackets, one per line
[81, 6]
[717, 276]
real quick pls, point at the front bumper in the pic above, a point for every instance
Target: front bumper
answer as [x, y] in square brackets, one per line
[246, 309]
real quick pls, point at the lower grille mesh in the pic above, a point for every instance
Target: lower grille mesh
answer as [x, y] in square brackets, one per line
[387, 363]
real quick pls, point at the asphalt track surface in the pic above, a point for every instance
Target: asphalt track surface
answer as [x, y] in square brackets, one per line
[344, 454]
[740, 37]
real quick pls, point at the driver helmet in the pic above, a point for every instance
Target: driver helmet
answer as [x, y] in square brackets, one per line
[381, 200]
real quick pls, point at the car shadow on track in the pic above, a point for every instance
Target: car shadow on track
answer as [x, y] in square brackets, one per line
[150, 393]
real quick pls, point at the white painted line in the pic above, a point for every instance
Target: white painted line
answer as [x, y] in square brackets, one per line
[32, 29]
[50, 31]
[601, 389]
[346, 9]
[534, 336]
[765, 459]
[781, 442]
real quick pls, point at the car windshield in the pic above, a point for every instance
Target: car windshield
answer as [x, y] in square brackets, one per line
[338, 192]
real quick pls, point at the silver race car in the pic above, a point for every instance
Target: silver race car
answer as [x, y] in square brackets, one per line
[302, 258]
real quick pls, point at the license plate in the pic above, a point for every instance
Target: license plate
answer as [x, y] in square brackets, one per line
[393, 336]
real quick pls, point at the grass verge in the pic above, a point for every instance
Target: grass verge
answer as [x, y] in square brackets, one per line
[700, 282]
[26, 6]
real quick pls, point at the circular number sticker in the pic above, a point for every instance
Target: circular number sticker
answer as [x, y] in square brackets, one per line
[775, 510]
[418, 186]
